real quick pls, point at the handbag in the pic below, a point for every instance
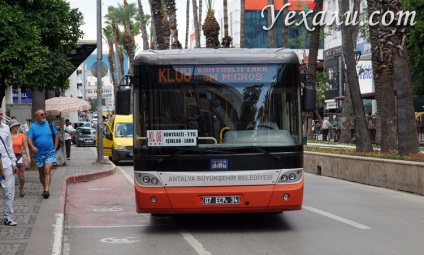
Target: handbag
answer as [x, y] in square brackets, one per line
[18, 160]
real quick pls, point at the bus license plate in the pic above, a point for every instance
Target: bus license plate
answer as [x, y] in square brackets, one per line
[218, 200]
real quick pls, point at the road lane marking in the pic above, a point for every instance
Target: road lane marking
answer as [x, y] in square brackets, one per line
[337, 218]
[193, 242]
[127, 176]
[197, 246]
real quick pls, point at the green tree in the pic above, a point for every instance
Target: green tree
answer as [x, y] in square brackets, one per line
[34, 38]
[415, 44]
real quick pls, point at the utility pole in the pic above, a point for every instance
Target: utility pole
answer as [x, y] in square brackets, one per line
[100, 158]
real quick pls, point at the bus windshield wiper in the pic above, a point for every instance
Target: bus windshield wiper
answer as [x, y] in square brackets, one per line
[265, 152]
[201, 150]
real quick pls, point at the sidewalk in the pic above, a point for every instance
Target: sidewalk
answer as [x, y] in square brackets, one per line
[40, 221]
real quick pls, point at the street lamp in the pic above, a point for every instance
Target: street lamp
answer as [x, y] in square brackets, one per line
[358, 54]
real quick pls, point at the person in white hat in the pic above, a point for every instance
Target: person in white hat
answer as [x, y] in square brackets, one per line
[19, 141]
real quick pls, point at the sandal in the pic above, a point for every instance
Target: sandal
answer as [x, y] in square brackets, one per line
[46, 194]
[22, 194]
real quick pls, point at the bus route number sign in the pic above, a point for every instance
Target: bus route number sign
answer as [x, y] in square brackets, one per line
[220, 200]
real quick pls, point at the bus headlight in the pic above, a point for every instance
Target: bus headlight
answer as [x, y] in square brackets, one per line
[146, 179]
[288, 176]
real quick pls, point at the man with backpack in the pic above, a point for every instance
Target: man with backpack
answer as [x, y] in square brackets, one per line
[43, 139]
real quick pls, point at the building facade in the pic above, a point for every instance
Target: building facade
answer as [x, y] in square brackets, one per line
[334, 63]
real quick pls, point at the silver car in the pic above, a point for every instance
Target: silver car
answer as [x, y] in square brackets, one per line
[85, 136]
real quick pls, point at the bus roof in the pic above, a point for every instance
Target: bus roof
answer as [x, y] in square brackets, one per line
[207, 56]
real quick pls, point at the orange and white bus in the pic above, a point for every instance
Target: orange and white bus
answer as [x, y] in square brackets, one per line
[216, 131]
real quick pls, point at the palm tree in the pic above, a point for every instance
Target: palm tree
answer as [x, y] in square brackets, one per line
[363, 140]
[187, 23]
[407, 129]
[382, 65]
[211, 27]
[313, 57]
[111, 19]
[272, 33]
[285, 28]
[171, 11]
[108, 36]
[196, 24]
[242, 22]
[226, 41]
[125, 16]
[158, 30]
[345, 123]
[200, 14]
[143, 26]
[166, 28]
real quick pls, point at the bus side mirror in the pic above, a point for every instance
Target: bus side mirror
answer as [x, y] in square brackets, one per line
[122, 101]
[308, 99]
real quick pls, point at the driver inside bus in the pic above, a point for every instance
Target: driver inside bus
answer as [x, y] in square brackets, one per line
[264, 121]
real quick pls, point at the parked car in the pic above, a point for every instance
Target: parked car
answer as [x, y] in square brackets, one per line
[85, 136]
[81, 124]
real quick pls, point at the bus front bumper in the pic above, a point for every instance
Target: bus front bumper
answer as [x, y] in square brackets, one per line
[186, 200]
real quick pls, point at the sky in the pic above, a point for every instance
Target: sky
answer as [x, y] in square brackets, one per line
[89, 11]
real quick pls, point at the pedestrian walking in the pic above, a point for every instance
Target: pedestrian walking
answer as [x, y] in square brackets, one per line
[69, 131]
[19, 141]
[43, 139]
[326, 125]
[8, 162]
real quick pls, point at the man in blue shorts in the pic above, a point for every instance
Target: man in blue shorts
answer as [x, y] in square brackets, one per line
[41, 143]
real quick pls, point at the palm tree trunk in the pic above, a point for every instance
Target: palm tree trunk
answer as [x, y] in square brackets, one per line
[196, 25]
[112, 65]
[345, 122]
[157, 20]
[363, 140]
[172, 14]
[144, 35]
[313, 58]
[200, 14]
[272, 33]
[226, 40]
[372, 8]
[407, 127]
[116, 40]
[38, 102]
[187, 23]
[225, 18]
[285, 29]
[384, 71]
[242, 22]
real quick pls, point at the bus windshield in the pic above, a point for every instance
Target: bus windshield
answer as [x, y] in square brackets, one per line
[219, 105]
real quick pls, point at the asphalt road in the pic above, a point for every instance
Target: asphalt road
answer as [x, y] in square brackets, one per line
[338, 217]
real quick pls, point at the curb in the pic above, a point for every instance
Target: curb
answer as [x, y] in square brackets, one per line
[60, 216]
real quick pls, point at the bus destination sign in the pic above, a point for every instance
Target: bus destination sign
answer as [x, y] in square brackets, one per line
[218, 73]
[172, 138]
